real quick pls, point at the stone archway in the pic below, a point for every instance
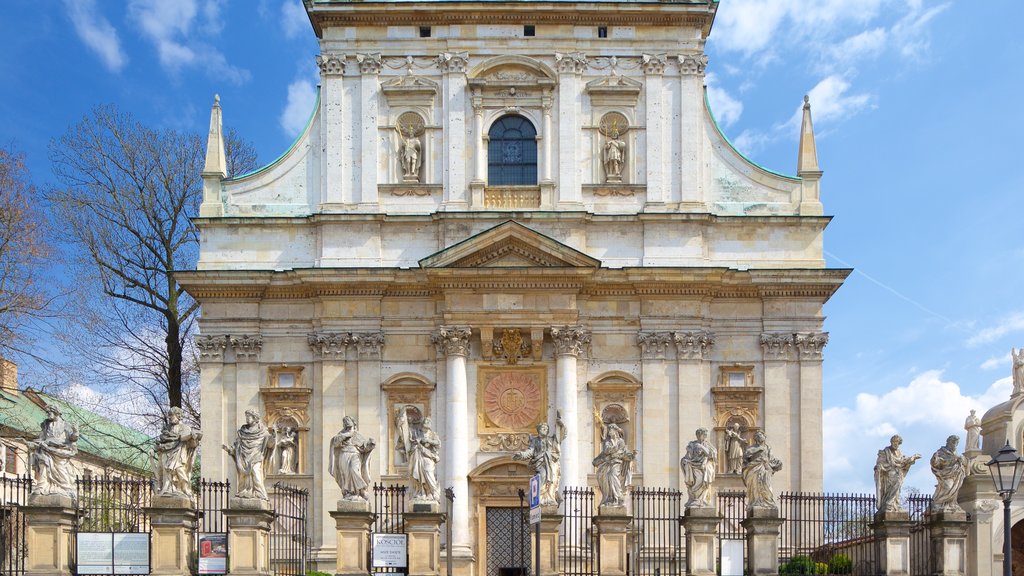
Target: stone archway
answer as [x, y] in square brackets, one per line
[494, 486]
[1017, 548]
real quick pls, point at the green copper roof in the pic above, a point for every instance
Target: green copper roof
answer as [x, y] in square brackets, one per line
[98, 436]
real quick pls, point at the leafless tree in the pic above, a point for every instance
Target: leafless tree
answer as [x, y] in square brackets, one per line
[127, 196]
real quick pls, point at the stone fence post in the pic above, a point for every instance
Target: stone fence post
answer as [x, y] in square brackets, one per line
[173, 520]
[49, 528]
[353, 521]
[892, 537]
[550, 523]
[249, 522]
[948, 531]
[612, 525]
[763, 526]
[701, 526]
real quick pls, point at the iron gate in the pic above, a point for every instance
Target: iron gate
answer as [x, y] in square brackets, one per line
[579, 556]
[13, 549]
[388, 518]
[508, 541]
[289, 541]
[657, 538]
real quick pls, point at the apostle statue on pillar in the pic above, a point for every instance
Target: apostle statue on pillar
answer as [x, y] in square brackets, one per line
[614, 463]
[50, 456]
[544, 453]
[175, 456]
[1018, 370]
[421, 447]
[349, 461]
[890, 470]
[758, 468]
[973, 427]
[950, 470]
[251, 448]
[699, 466]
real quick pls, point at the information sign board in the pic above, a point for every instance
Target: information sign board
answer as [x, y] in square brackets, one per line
[131, 552]
[95, 552]
[390, 551]
[535, 499]
[213, 553]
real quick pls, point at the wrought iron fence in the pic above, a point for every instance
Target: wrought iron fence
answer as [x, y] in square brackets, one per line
[211, 500]
[289, 541]
[578, 539]
[388, 514]
[111, 504]
[657, 539]
[827, 533]
[920, 553]
[13, 549]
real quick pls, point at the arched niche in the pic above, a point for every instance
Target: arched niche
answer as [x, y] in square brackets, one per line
[614, 399]
[412, 393]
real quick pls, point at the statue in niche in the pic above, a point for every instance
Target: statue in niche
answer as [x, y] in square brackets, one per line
[973, 427]
[409, 151]
[421, 447]
[544, 454]
[287, 441]
[890, 470]
[950, 470]
[699, 465]
[614, 463]
[758, 468]
[735, 444]
[50, 456]
[614, 155]
[175, 456]
[252, 446]
[349, 461]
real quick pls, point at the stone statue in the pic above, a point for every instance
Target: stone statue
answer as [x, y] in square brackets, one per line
[950, 470]
[614, 156]
[699, 465]
[252, 446]
[734, 447]
[287, 440]
[614, 463]
[973, 427]
[890, 470]
[758, 468]
[175, 456]
[50, 456]
[544, 453]
[409, 153]
[349, 461]
[1018, 370]
[421, 448]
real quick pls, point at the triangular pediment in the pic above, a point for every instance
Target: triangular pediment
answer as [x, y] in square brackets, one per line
[509, 245]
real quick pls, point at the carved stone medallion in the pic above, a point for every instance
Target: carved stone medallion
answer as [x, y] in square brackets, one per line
[511, 399]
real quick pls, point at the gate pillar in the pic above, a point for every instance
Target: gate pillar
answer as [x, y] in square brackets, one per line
[762, 526]
[173, 520]
[892, 531]
[49, 525]
[612, 525]
[423, 528]
[249, 521]
[353, 521]
[701, 525]
[948, 531]
[550, 524]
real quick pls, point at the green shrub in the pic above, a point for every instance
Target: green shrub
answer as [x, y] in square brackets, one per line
[798, 565]
[840, 564]
[316, 573]
[821, 568]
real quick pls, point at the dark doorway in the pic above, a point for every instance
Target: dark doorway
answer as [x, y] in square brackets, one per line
[508, 542]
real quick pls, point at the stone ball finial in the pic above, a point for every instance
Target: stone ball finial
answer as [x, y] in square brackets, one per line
[216, 98]
[807, 101]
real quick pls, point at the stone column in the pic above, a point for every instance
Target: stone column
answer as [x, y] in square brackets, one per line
[612, 526]
[948, 531]
[779, 353]
[809, 348]
[368, 350]
[763, 527]
[213, 398]
[369, 91]
[694, 373]
[332, 66]
[353, 521]
[701, 526]
[570, 67]
[691, 128]
[249, 522]
[49, 525]
[657, 184]
[569, 344]
[453, 67]
[892, 535]
[173, 520]
[424, 533]
[479, 148]
[550, 524]
[453, 342]
[660, 458]
[547, 142]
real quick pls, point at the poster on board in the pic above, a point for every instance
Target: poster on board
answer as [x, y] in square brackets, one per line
[94, 552]
[213, 553]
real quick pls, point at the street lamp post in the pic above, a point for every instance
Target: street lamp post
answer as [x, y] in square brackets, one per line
[1006, 468]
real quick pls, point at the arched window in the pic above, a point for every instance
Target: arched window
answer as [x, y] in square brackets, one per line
[512, 152]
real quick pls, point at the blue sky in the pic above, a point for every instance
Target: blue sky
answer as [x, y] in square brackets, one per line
[916, 106]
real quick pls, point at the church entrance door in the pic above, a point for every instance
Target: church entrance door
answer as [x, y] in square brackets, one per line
[508, 541]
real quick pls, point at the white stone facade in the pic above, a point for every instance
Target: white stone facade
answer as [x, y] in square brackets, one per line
[685, 291]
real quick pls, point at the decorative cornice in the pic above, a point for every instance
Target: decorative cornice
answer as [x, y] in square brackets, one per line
[654, 63]
[777, 345]
[570, 340]
[653, 344]
[453, 62]
[694, 345]
[452, 340]
[331, 64]
[369, 344]
[247, 348]
[211, 348]
[810, 344]
[574, 63]
[369, 63]
[614, 15]
[329, 345]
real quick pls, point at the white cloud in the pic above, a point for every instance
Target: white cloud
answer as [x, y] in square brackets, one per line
[924, 412]
[97, 33]
[293, 18]
[996, 362]
[1012, 323]
[911, 32]
[726, 109]
[862, 46]
[301, 97]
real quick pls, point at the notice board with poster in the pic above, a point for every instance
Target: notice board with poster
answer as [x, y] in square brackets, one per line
[213, 553]
[112, 552]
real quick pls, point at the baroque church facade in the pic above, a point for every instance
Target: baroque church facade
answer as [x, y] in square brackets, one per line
[499, 212]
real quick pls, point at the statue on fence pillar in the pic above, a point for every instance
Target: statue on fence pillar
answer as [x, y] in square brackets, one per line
[950, 470]
[890, 470]
[50, 456]
[734, 446]
[349, 461]
[699, 466]
[175, 455]
[758, 468]
[421, 447]
[614, 463]
[251, 447]
[973, 427]
[544, 453]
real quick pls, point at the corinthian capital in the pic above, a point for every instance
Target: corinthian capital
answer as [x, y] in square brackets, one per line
[694, 345]
[452, 340]
[653, 344]
[331, 64]
[777, 345]
[654, 63]
[453, 62]
[692, 64]
[329, 345]
[571, 340]
[810, 344]
[369, 63]
[369, 344]
[247, 348]
[211, 348]
[575, 63]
